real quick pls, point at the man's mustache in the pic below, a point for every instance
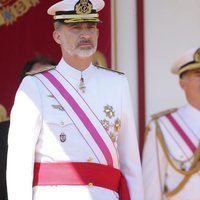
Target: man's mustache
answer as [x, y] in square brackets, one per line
[84, 41]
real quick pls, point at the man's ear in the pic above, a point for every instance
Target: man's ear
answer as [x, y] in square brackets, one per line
[182, 83]
[56, 37]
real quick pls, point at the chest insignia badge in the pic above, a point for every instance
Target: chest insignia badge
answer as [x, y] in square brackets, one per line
[58, 107]
[51, 96]
[62, 137]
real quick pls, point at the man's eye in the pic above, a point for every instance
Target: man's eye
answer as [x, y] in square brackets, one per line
[92, 27]
[75, 27]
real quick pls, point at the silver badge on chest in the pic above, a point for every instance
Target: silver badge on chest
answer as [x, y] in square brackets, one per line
[62, 137]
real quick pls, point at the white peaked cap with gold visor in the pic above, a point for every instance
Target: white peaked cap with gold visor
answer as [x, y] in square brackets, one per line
[190, 60]
[76, 11]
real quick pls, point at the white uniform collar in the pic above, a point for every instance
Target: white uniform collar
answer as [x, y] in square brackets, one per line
[192, 111]
[67, 70]
[191, 116]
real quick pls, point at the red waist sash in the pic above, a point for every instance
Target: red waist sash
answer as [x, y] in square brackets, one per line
[78, 173]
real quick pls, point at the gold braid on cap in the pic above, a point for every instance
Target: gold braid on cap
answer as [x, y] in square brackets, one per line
[96, 15]
[76, 20]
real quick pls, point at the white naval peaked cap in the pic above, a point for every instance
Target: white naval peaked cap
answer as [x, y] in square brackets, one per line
[75, 11]
[190, 60]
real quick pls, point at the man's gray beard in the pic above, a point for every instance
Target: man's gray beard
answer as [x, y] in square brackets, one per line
[85, 52]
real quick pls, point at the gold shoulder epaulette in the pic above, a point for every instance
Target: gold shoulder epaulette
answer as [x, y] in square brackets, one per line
[163, 113]
[109, 69]
[41, 70]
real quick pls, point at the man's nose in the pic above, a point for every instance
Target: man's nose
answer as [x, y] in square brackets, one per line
[85, 34]
[86, 31]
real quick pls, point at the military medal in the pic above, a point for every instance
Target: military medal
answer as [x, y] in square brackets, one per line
[113, 137]
[109, 111]
[62, 137]
[113, 128]
[82, 86]
[117, 125]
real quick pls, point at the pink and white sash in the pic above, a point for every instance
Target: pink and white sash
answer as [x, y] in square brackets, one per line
[82, 116]
[178, 131]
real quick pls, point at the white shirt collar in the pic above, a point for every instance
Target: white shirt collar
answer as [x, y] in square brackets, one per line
[67, 70]
[191, 115]
[192, 111]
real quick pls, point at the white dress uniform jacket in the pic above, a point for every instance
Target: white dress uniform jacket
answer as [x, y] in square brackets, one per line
[159, 175]
[38, 122]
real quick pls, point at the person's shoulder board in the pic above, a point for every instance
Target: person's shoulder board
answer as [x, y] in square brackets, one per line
[109, 69]
[41, 70]
[163, 113]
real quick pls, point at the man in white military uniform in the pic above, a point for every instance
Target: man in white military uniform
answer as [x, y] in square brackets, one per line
[72, 133]
[171, 155]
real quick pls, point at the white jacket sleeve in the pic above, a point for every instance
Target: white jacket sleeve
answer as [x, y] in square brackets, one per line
[128, 148]
[23, 134]
[154, 166]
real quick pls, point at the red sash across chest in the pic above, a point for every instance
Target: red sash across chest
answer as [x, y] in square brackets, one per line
[85, 120]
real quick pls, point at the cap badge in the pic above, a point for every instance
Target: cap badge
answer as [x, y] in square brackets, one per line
[83, 7]
[197, 55]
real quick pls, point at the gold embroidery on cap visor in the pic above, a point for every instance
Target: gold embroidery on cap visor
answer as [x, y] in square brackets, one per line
[78, 18]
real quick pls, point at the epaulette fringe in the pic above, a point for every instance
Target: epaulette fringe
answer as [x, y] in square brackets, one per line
[163, 113]
[109, 69]
[41, 70]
